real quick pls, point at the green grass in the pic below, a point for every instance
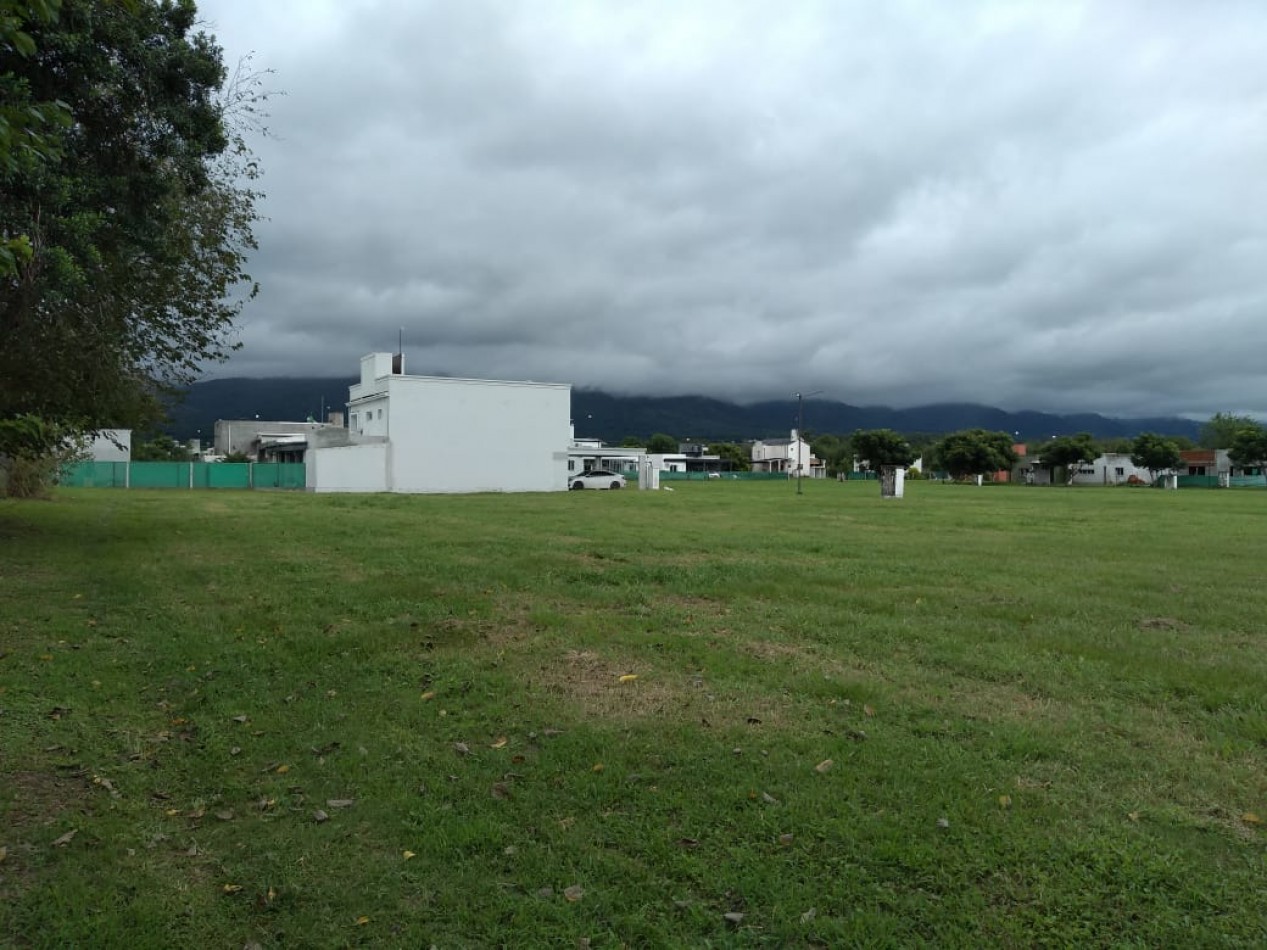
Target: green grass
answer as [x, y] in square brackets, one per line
[1044, 710]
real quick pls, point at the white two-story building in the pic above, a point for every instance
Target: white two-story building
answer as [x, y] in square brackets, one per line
[438, 434]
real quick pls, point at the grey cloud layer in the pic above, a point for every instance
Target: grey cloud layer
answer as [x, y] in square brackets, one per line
[1049, 206]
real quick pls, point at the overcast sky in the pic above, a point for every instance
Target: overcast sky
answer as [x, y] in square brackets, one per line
[1055, 206]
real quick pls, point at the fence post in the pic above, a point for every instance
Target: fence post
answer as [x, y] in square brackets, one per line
[250, 475]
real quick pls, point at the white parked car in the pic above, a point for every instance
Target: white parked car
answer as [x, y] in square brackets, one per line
[597, 478]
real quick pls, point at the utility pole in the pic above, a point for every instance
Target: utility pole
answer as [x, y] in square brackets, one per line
[800, 428]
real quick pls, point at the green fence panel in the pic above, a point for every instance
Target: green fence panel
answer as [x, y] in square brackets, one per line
[95, 475]
[1198, 481]
[1247, 481]
[160, 475]
[222, 475]
[291, 475]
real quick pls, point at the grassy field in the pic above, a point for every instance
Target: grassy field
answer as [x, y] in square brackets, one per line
[974, 717]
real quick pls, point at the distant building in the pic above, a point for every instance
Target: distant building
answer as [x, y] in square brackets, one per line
[787, 455]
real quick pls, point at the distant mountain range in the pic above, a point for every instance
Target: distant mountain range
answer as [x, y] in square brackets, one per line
[688, 418]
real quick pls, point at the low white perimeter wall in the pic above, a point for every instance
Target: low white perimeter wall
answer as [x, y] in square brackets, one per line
[347, 468]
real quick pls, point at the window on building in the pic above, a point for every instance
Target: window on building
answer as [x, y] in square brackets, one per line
[1119, 471]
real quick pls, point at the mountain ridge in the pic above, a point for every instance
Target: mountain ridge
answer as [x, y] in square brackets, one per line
[602, 415]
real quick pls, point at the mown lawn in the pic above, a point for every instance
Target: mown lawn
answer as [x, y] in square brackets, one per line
[974, 717]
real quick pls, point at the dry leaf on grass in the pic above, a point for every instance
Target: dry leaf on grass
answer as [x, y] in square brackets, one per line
[500, 791]
[824, 766]
[734, 917]
[362, 921]
[428, 695]
[499, 743]
[785, 840]
[628, 678]
[1005, 801]
[407, 855]
[232, 888]
[809, 915]
[769, 799]
[319, 816]
[65, 839]
[340, 802]
[225, 815]
[868, 710]
[461, 748]
[574, 893]
[239, 719]
[1251, 819]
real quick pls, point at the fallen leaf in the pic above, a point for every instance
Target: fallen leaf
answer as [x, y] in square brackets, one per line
[236, 750]
[824, 766]
[574, 893]
[734, 917]
[271, 895]
[868, 710]
[282, 769]
[500, 791]
[461, 748]
[518, 759]
[499, 743]
[754, 721]
[239, 719]
[785, 840]
[628, 678]
[407, 855]
[319, 816]
[225, 815]
[340, 802]
[192, 852]
[943, 822]
[1005, 801]
[362, 921]
[1133, 815]
[809, 915]
[428, 695]
[232, 888]
[582, 943]
[1251, 819]
[769, 799]
[598, 767]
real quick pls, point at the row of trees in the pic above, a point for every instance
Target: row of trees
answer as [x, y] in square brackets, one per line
[127, 214]
[972, 452]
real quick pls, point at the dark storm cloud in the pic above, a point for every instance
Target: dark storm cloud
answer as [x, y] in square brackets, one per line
[1051, 206]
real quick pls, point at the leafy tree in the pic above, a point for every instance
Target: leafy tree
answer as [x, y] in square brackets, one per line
[975, 452]
[32, 452]
[1067, 451]
[882, 448]
[739, 456]
[137, 212]
[1153, 452]
[161, 448]
[27, 128]
[1249, 447]
[631, 442]
[835, 451]
[1220, 431]
[661, 444]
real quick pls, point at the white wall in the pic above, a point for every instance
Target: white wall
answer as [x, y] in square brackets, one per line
[1110, 469]
[470, 435]
[102, 448]
[354, 468]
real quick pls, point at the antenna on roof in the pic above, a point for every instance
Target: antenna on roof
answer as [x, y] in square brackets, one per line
[398, 361]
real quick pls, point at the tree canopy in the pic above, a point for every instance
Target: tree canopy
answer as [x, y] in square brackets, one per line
[1068, 450]
[1220, 431]
[975, 452]
[1154, 452]
[1249, 447]
[882, 448]
[127, 226]
[662, 444]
